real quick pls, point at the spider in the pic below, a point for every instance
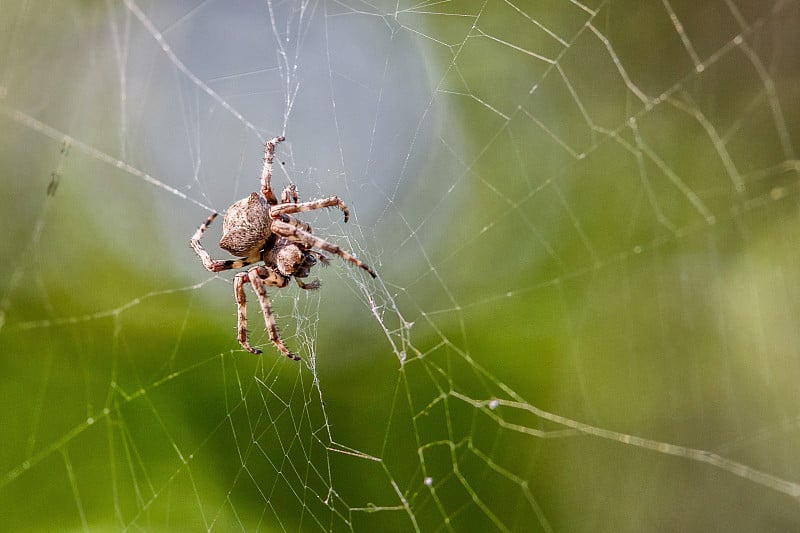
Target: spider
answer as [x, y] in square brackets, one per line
[261, 229]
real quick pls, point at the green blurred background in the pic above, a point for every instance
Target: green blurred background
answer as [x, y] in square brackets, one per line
[589, 209]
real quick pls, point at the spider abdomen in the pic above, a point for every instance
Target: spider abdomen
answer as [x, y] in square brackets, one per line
[246, 226]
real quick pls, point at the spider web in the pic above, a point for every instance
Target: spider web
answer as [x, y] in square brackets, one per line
[583, 215]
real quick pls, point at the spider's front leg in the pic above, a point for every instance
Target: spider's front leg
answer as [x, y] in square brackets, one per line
[309, 240]
[277, 211]
[259, 277]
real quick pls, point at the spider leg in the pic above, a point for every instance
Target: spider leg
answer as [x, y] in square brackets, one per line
[289, 194]
[288, 208]
[294, 233]
[216, 265]
[294, 222]
[241, 311]
[259, 277]
[266, 172]
[314, 285]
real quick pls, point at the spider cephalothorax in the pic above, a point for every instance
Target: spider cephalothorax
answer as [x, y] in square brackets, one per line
[261, 229]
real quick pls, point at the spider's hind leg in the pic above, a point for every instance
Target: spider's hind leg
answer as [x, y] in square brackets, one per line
[215, 265]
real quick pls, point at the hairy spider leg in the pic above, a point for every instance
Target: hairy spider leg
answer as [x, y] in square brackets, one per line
[289, 194]
[311, 286]
[241, 307]
[216, 265]
[289, 208]
[259, 277]
[266, 172]
[295, 222]
[295, 234]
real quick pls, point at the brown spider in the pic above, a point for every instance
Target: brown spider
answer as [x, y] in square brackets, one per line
[261, 229]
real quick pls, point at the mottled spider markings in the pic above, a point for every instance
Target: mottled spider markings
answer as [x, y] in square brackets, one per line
[261, 229]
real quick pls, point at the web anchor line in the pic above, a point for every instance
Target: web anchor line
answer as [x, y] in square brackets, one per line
[776, 483]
